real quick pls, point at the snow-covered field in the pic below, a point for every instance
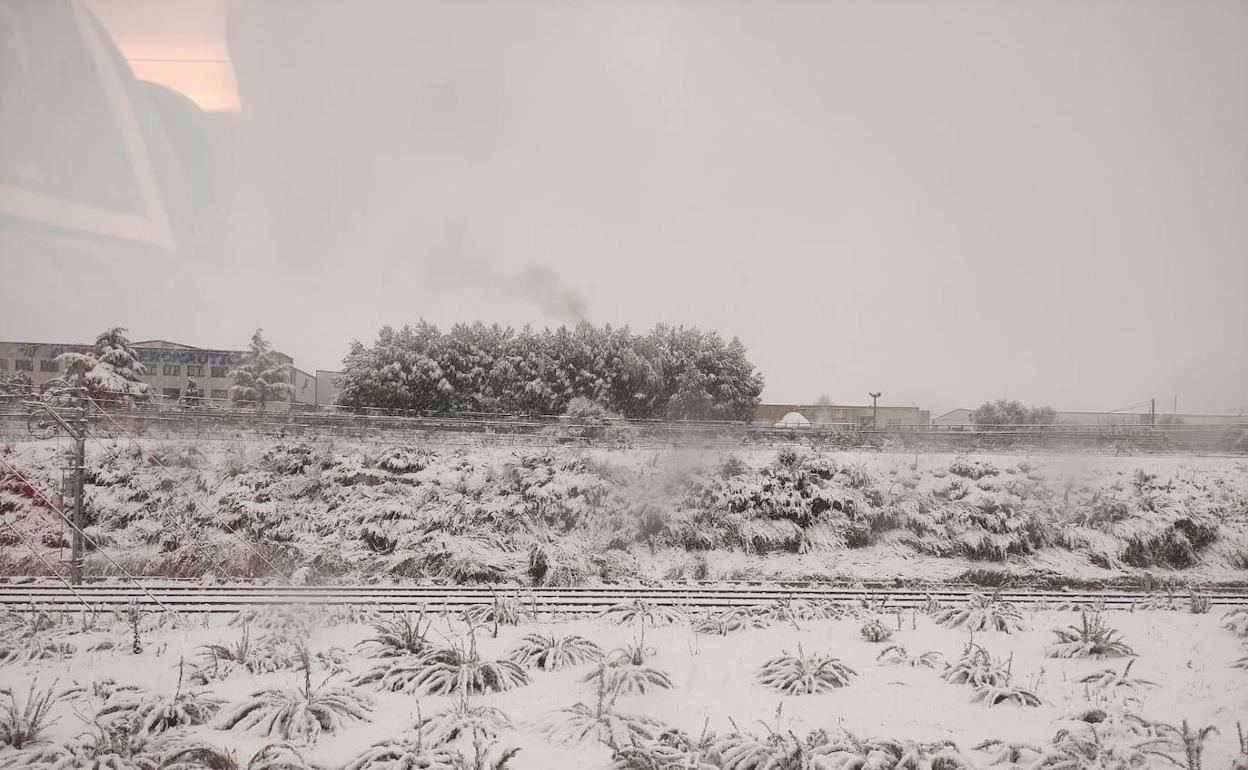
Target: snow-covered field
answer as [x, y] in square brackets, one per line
[369, 512]
[716, 713]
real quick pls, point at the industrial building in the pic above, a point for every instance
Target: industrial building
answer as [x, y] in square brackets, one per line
[956, 418]
[169, 365]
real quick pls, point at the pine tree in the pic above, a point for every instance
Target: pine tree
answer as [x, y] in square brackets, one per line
[192, 396]
[111, 372]
[262, 378]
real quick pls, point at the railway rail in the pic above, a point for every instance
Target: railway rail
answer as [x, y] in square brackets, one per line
[196, 598]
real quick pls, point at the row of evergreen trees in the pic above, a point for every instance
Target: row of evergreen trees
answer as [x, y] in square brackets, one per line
[669, 373]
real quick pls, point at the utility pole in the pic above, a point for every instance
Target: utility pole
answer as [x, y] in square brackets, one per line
[78, 547]
[875, 411]
[1152, 411]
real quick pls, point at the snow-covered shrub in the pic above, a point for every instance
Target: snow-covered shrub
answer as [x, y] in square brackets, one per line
[976, 668]
[1110, 680]
[23, 721]
[803, 674]
[778, 749]
[1241, 662]
[503, 611]
[401, 633]
[981, 613]
[974, 469]
[1114, 739]
[875, 631]
[158, 713]
[298, 713]
[994, 695]
[580, 722]
[464, 721]
[1092, 638]
[664, 753]
[1198, 602]
[404, 752]
[452, 557]
[647, 613]
[724, 622]
[624, 671]
[1236, 621]
[853, 753]
[788, 610]
[448, 670]
[552, 653]
[272, 652]
[896, 655]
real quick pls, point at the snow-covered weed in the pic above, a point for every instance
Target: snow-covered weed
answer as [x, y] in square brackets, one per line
[977, 668]
[447, 670]
[994, 695]
[552, 653]
[875, 631]
[298, 713]
[22, 721]
[853, 753]
[272, 652]
[503, 611]
[803, 674]
[648, 613]
[401, 633]
[1236, 621]
[158, 713]
[725, 622]
[981, 613]
[1092, 638]
[1110, 680]
[896, 655]
[747, 751]
[1117, 739]
[580, 722]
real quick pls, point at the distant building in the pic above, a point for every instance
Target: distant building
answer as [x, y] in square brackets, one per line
[326, 387]
[962, 418]
[169, 365]
[833, 414]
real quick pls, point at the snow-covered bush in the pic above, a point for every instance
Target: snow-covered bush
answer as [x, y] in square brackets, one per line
[981, 613]
[994, 695]
[1096, 739]
[779, 749]
[875, 631]
[401, 633]
[274, 651]
[158, 713]
[726, 621]
[1236, 621]
[1092, 638]
[300, 714]
[22, 721]
[896, 655]
[552, 653]
[1110, 680]
[464, 721]
[976, 668]
[647, 613]
[580, 723]
[503, 611]
[446, 670]
[803, 674]
[852, 753]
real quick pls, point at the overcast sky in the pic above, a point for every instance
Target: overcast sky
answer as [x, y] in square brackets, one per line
[945, 201]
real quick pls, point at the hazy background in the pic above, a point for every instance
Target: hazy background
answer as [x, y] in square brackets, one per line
[945, 201]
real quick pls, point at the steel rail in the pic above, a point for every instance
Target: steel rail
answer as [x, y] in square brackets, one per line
[215, 599]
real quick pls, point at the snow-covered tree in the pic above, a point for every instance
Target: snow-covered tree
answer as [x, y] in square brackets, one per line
[262, 378]
[192, 396]
[1003, 412]
[111, 372]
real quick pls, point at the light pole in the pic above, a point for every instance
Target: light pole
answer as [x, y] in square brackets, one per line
[875, 414]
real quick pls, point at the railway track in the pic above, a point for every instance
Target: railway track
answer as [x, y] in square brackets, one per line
[195, 598]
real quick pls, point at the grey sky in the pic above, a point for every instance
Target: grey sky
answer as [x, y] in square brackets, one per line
[945, 201]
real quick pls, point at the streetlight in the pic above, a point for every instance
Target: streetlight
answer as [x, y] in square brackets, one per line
[875, 415]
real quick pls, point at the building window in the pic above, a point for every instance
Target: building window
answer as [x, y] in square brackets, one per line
[220, 395]
[49, 365]
[173, 370]
[194, 370]
[220, 372]
[173, 393]
[24, 365]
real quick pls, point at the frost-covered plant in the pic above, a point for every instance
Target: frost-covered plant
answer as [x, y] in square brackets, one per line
[552, 653]
[1198, 602]
[896, 655]
[981, 613]
[727, 621]
[22, 721]
[853, 753]
[31, 648]
[191, 754]
[1193, 742]
[1241, 762]
[600, 722]
[1242, 662]
[405, 752]
[649, 613]
[875, 631]
[626, 672]
[803, 674]
[402, 633]
[464, 720]
[1110, 680]
[503, 611]
[1012, 754]
[155, 714]
[976, 668]
[272, 652]
[1099, 739]
[291, 621]
[447, 670]
[747, 751]
[1090, 639]
[298, 714]
[791, 611]
[993, 695]
[1236, 621]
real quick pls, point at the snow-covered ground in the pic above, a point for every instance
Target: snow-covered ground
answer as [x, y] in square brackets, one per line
[714, 687]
